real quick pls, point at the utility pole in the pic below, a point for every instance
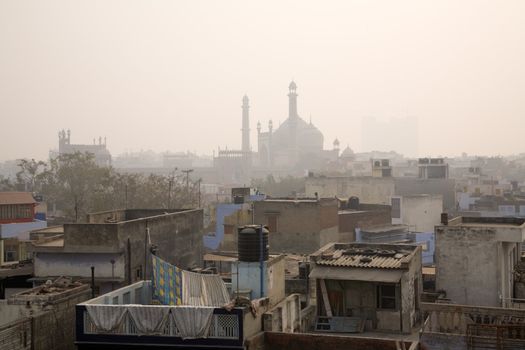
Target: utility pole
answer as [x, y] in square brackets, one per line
[200, 180]
[170, 184]
[187, 172]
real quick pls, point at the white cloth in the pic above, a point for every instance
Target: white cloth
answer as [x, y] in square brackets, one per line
[106, 317]
[192, 322]
[148, 319]
[203, 290]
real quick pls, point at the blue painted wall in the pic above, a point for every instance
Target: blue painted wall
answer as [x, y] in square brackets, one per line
[428, 238]
[250, 278]
[21, 229]
[213, 240]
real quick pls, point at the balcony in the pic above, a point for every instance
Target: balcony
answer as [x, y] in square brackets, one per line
[225, 331]
[472, 327]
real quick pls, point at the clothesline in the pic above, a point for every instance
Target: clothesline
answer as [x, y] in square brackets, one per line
[175, 286]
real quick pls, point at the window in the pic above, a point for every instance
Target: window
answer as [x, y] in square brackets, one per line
[229, 229]
[396, 207]
[386, 296]
[271, 222]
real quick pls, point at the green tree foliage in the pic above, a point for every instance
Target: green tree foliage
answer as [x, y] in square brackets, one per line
[29, 176]
[76, 185]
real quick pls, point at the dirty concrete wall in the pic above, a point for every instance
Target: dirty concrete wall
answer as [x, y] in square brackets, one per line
[439, 341]
[276, 279]
[328, 235]
[177, 236]
[42, 327]
[350, 220]
[299, 223]
[367, 189]
[253, 324]
[422, 212]
[79, 265]
[55, 329]
[90, 238]
[241, 217]
[17, 336]
[468, 265]
[411, 288]
[304, 341]
[103, 216]
[444, 187]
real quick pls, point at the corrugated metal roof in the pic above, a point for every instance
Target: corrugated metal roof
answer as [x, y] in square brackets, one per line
[16, 198]
[367, 256]
[358, 260]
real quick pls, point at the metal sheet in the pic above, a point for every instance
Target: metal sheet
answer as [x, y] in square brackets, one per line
[357, 274]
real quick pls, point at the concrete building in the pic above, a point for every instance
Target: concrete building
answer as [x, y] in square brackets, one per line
[419, 212]
[206, 318]
[376, 190]
[432, 168]
[372, 190]
[298, 225]
[366, 287]
[42, 318]
[364, 216]
[228, 216]
[381, 168]
[466, 327]
[114, 243]
[17, 219]
[405, 186]
[99, 151]
[476, 259]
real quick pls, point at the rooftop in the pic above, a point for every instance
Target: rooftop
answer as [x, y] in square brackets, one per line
[377, 256]
[49, 291]
[386, 228]
[16, 198]
[509, 222]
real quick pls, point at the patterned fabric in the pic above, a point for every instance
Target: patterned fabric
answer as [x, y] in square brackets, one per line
[167, 282]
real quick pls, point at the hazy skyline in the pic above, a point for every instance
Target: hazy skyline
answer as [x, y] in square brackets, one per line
[170, 75]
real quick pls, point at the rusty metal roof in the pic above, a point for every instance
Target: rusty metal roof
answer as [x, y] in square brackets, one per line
[16, 198]
[365, 256]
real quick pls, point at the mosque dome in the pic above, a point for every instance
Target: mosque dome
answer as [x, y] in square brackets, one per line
[307, 136]
[347, 153]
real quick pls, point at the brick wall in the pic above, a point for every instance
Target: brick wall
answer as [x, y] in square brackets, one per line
[349, 221]
[16, 335]
[55, 329]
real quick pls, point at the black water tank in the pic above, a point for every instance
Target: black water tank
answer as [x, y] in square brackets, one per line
[249, 243]
[353, 203]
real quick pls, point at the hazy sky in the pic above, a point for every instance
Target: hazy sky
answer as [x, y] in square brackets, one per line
[170, 75]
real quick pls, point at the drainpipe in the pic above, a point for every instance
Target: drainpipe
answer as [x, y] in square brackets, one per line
[261, 260]
[92, 282]
[146, 236]
[129, 262]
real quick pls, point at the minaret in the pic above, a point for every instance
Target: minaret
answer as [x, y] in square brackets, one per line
[245, 124]
[292, 115]
[292, 101]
